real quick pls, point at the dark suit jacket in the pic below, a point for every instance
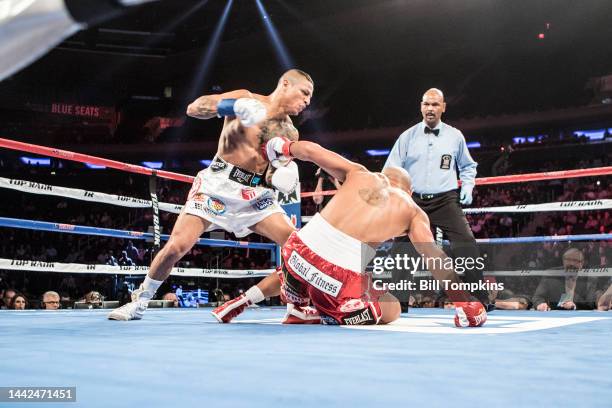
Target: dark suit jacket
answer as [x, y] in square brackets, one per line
[550, 289]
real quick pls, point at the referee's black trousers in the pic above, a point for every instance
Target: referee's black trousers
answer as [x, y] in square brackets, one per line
[444, 211]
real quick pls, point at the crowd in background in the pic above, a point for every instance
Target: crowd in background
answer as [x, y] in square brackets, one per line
[52, 247]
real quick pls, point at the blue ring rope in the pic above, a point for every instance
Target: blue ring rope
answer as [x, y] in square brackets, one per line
[556, 238]
[107, 232]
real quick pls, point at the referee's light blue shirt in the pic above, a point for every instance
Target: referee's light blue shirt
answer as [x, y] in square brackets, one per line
[432, 160]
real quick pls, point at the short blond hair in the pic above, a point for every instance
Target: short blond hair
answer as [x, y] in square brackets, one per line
[294, 73]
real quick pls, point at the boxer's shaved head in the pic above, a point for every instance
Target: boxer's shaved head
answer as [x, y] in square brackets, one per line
[293, 92]
[399, 177]
[296, 75]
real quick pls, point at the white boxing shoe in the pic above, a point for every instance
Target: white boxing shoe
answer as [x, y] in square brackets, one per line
[133, 310]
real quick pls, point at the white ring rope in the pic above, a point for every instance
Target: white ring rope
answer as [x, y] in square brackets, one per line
[84, 195]
[124, 201]
[40, 266]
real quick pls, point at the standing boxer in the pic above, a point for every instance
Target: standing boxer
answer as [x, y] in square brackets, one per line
[233, 192]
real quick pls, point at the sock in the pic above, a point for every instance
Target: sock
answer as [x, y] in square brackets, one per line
[254, 294]
[150, 286]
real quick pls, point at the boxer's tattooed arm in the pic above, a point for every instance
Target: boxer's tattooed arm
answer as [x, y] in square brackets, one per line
[274, 127]
[373, 197]
[205, 107]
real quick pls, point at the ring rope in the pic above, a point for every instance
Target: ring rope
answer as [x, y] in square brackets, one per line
[85, 158]
[132, 202]
[603, 204]
[515, 178]
[107, 232]
[114, 233]
[132, 168]
[39, 266]
[84, 195]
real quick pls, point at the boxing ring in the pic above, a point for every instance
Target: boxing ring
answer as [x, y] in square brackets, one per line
[185, 358]
[180, 357]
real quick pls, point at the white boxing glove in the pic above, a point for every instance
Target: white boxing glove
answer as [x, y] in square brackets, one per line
[248, 110]
[277, 151]
[286, 178]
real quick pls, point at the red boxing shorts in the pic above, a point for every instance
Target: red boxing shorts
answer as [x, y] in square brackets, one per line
[320, 263]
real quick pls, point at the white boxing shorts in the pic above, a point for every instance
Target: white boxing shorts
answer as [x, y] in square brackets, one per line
[231, 198]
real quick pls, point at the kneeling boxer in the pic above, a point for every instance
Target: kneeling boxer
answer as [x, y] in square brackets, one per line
[322, 262]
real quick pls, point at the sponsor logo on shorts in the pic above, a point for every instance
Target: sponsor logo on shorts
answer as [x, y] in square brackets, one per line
[263, 204]
[352, 305]
[445, 161]
[290, 198]
[313, 276]
[198, 206]
[292, 296]
[195, 187]
[218, 165]
[241, 176]
[248, 193]
[363, 317]
[215, 205]
[198, 197]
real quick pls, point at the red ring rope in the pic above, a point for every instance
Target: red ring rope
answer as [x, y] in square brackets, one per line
[132, 168]
[85, 158]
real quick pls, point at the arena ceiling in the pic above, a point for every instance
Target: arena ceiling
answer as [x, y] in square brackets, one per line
[369, 58]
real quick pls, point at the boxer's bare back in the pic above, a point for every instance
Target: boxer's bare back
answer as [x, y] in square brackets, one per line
[369, 208]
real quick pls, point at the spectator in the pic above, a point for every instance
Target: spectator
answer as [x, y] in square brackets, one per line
[132, 251]
[324, 182]
[110, 259]
[51, 300]
[568, 292]
[171, 296]
[125, 260]
[18, 302]
[93, 299]
[506, 299]
[605, 301]
[6, 299]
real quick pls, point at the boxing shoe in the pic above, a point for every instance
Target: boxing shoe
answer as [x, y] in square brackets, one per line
[301, 315]
[227, 311]
[133, 310]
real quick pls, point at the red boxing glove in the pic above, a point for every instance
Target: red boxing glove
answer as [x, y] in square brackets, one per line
[470, 314]
[277, 151]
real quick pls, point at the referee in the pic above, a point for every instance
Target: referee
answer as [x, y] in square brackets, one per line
[432, 152]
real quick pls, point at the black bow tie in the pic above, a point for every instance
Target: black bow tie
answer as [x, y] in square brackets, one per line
[429, 130]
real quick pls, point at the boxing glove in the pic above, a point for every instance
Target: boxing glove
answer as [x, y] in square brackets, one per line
[286, 178]
[277, 151]
[248, 110]
[470, 314]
